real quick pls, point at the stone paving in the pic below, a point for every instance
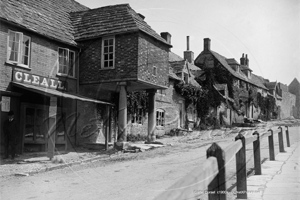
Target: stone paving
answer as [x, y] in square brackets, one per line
[280, 179]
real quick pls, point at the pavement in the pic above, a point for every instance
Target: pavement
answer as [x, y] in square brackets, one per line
[280, 179]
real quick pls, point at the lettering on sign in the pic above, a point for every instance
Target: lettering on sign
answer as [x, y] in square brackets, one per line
[41, 81]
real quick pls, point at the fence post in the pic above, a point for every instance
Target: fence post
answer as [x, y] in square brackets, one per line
[256, 153]
[287, 136]
[241, 173]
[271, 146]
[217, 187]
[280, 140]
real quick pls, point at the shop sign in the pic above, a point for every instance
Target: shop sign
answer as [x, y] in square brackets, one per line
[40, 81]
[5, 104]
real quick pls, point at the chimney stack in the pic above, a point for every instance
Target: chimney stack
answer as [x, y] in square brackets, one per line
[242, 60]
[206, 44]
[188, 55]
[166, 36]
[247, 60]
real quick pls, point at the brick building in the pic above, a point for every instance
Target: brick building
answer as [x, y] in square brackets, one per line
[57, 70]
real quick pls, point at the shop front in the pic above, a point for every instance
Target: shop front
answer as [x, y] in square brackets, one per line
[46, 112]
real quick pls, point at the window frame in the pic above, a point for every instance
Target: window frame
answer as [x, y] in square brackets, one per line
[160, 117]
[113, 53]
[137, 117]
[20, 52]
[74, 63]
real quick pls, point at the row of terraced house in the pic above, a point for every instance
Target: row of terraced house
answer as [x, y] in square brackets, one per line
[67, 71]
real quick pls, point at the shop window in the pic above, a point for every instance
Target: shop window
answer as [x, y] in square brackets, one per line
[66, 60]
[18, 48]
[137, 117]
[160, 117]
[108, 53]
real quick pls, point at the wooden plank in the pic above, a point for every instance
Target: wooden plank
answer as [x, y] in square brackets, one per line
[250, 139]
[217, 187]
[194, 184]
[231, 150]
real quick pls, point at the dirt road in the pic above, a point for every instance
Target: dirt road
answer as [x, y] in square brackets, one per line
[139, 178]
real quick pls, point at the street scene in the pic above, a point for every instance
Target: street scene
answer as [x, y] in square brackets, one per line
[149, 100]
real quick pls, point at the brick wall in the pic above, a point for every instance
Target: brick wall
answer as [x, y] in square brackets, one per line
[43, 58]
[126, 54]
[152, 54]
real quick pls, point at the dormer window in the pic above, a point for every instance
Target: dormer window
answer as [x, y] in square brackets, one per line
[108, 53]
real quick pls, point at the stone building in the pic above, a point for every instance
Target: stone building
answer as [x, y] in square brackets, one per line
[294, 88]
[243, 79]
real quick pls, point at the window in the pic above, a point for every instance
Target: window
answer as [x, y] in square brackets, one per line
[18, 48]
[186, 78]
[154, 71]
[108, 53]
[161, 91]
[160, 117]
[66, 60]
[137, 117]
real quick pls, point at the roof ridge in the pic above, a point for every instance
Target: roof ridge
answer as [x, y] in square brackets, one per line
[102, 7]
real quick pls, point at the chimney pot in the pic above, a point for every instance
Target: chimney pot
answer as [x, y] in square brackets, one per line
[206, 44]
[167, 36]
[188, 43]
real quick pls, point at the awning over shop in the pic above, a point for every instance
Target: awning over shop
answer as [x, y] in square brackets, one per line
[50, 92]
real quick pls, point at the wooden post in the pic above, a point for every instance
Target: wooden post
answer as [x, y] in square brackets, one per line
[151, 115]
[241, 173]
[217, 187]
[52, 128]
[256, 153]
[287, 136]
[106, 121]
[280, 140]
[271, 146]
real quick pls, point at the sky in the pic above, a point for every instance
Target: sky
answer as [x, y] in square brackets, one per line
[268, 31]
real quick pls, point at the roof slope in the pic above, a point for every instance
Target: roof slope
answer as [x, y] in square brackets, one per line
[110, 20]
[47, 17]
[255, 80]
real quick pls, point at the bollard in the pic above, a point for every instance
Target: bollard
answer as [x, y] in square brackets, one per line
[241, 173]
[271, 146]
[256, 153]
[217, 187]
[280, 140]
[287, 136]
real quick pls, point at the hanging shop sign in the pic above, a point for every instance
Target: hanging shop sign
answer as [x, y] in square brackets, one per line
[40, 81]
[5, 104]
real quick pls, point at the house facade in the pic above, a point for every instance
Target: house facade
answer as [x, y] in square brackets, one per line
[240, 86]
[67, 81]
[294, 88]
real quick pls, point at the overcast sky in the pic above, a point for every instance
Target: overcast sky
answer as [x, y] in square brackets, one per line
[267, 30]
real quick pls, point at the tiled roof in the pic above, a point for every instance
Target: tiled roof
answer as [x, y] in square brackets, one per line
[110, 20]
[173, 75]
[271, 85]
[232, 61]
[254, 79]
[46, 17]
[174, 57]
